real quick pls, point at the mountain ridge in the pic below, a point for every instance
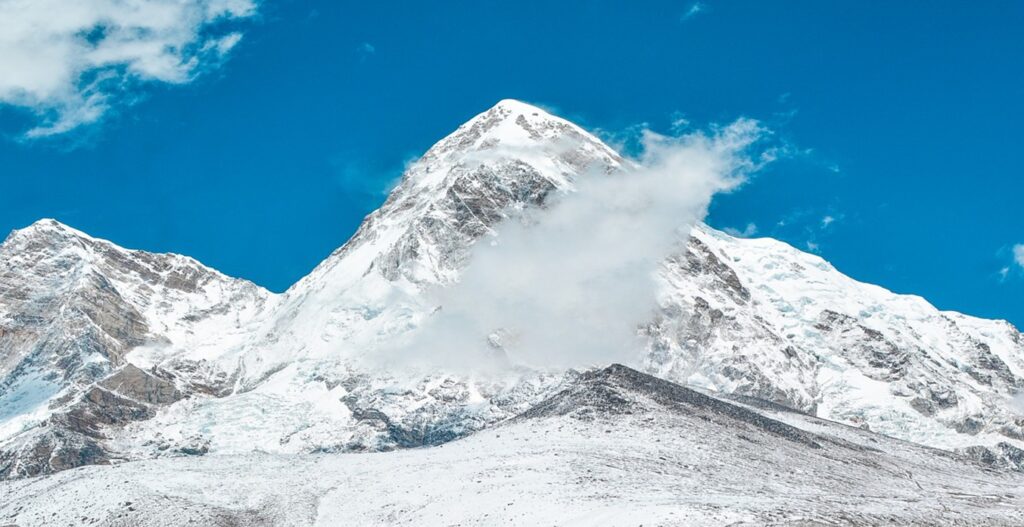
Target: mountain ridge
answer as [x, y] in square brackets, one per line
[751, 317]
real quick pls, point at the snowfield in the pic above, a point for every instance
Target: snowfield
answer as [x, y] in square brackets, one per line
[614, 448]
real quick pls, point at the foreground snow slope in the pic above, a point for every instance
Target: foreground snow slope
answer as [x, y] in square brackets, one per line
[614, 447]
[109, 354]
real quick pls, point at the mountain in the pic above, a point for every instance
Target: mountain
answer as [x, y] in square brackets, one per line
[110, 354]
[72, 308]
[614, 446]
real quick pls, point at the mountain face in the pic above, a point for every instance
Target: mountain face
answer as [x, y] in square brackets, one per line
[72, 308]
[109, 354]
[613, 446]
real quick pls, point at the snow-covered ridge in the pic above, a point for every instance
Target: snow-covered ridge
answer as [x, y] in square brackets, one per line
[206, 363]
[72, 310]
[855, 352]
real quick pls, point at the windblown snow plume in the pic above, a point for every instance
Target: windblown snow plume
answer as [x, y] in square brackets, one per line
[568, 285]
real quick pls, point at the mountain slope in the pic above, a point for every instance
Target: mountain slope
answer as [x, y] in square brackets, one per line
[210, 364]
[71, 309]
[792, 329]
[755, 317]
[614, 447]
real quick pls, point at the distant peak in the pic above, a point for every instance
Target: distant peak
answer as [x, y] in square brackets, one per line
[520, 113]
[46, 232]
[519, 125]
[47, 223]
[517, 106]
[50, 226]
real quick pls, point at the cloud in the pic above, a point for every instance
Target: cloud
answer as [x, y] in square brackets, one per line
[364, 50]
[1015, 267]
[569, 284]
[827, 221]
[695, 9]
[629, 140]
[748, 231]
[679, 123]
[69, 62]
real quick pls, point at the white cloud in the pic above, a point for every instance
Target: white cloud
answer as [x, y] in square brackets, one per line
[568, 285]
[679, 123]
[1018, 254]
[748, 231]
[826, 221]
[71, 61]
[695, 9]
[364, 50]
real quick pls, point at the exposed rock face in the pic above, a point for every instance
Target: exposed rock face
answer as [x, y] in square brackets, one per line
[144, 387]
[101, 346]
[1002, 455]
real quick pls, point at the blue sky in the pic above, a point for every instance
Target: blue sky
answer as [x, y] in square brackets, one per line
[262, 155]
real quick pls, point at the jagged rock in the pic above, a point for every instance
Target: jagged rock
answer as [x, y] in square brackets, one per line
[139, 385]
[1002, 455]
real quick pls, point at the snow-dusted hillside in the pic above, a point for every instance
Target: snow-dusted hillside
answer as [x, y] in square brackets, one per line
[168, 358]
[614, 447]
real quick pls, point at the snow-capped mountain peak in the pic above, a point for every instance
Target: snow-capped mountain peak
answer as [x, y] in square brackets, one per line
[88, 327]
[511, 156]
[514, 128]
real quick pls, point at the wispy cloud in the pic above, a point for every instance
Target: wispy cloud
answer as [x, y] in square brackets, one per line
[808, 228]
[1016, 265]
[628, 140]
[695, 9]
[364, 50]
[748, 231]
[69, 62]
[679, 123]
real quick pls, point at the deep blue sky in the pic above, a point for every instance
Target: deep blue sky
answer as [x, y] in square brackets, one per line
[908, 116]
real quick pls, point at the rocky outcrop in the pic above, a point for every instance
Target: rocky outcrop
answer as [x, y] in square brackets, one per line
[1002, 455]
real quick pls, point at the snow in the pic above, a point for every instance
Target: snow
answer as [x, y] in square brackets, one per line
[290, 362]
[793, 288]
[659, 464]
[24, 404]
